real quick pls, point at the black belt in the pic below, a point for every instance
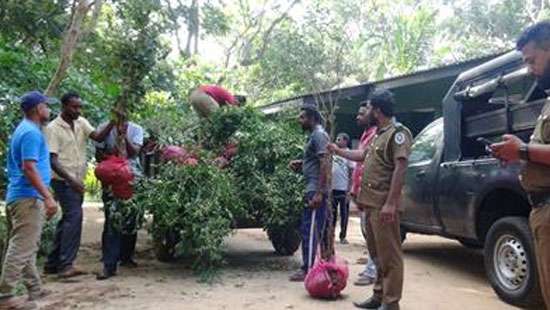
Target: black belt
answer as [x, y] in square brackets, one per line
[538, 200]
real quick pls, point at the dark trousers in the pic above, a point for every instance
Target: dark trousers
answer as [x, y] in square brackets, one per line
[118, 239]
[319, 227]
[69, 229]
[340, 201]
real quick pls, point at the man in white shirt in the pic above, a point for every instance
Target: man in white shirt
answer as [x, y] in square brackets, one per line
[341, 184]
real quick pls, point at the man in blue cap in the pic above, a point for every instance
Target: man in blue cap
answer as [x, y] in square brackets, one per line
[28, 198]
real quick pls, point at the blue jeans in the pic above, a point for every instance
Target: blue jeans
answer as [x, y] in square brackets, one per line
[118, 243]
[69, 229]
[320, 221]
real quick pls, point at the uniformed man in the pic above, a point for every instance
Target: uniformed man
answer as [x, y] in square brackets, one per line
[534, 44]
[385, 163]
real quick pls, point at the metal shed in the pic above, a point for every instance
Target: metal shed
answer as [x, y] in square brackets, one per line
[418, 95]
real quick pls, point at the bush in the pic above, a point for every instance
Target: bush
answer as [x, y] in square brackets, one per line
[197, 203]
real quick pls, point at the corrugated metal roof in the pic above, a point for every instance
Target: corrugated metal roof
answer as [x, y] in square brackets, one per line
[289, 101]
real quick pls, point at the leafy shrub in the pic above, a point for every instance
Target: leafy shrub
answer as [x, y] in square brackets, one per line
[197, 203]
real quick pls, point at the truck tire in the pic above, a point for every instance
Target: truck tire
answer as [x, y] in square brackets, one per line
[510, 262]
[164, 246]
[285, 242]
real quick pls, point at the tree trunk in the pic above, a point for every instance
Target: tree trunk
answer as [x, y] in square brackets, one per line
[69, 45]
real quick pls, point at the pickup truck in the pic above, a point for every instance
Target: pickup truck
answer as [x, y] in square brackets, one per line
[455, 189]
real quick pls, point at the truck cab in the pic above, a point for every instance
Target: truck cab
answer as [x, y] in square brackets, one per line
[454, 188]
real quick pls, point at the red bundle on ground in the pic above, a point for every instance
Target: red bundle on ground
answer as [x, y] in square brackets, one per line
[326, 279]
[116, 172]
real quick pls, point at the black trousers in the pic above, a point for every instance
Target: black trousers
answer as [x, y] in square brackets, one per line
[340, 201]
[118, 245]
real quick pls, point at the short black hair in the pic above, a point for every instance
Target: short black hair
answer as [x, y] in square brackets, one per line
[538, 33]
[312, 113]
[67, 97]
[382, 99]
[240, 99]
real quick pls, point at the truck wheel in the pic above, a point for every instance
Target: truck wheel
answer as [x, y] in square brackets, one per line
[510, 262]
[285, 242]
[164, 246]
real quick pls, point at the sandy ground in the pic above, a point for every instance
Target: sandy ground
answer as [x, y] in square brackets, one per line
[440, 274]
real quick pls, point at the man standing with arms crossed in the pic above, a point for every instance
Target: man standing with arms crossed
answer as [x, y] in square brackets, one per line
[67, 138]
[316, 167]
[385, 164]
[534, 44]
[368, 276]
[27, 196]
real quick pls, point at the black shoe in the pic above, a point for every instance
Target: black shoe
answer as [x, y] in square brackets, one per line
[50, 270]
[105, 274]
[371, 303]
[392, 306]
[129, 264]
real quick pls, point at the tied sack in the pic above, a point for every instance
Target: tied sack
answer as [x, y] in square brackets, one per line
[116, 172]
[327, 279]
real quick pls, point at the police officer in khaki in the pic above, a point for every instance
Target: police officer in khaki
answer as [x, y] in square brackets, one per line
[385, 163]
[534, 44]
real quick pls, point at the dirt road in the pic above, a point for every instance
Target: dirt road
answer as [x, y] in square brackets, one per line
[440, 274]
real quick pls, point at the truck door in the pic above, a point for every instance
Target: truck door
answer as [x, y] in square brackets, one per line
[420, 185]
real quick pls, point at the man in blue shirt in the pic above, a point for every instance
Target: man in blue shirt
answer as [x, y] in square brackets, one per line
[27, 195]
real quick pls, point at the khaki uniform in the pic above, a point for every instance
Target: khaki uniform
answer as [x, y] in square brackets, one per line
[535, 179]
[384, 239]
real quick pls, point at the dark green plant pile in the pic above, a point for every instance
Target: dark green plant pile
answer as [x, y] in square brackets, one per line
[198, 203]
[201, 204]
[269, 190]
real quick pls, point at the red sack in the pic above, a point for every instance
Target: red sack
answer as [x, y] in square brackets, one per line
[116, 172]
[174, 153]
[326, 279]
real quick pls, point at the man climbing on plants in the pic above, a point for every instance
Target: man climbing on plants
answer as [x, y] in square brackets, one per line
[67, 137]
[316, 168]
[125, 140]
[208, 98]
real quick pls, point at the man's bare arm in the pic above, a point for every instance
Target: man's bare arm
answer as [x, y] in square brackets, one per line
[539, 154]
[325, 173]
[353, 155]
[101, 135]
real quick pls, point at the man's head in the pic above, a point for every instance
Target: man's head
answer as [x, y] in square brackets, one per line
[342, 140]
[309, 118]
[534, 44]
[379, 106]
[35, 106]
[71, 105]
[241, 100]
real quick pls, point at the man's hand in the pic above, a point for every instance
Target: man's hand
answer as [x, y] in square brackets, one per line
[388, 212]
[316, 201]
[333, 148]
[295, 165]
[51, 207]
[507, 150]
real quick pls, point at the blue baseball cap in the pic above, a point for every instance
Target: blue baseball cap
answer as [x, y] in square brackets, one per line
[32, 99]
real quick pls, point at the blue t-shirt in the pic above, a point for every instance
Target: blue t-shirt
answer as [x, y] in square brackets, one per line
[27, 143]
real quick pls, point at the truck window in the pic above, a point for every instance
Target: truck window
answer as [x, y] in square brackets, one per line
[425, 144]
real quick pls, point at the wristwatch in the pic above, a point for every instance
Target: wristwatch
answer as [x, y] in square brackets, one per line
[524, 152]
